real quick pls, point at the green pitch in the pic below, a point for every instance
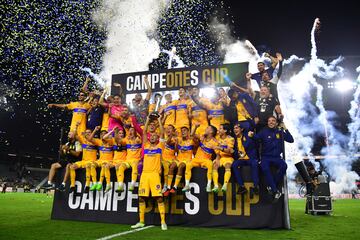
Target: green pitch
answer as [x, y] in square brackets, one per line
[27, 216]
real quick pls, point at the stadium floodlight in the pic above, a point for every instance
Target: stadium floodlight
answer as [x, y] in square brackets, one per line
[344, 85]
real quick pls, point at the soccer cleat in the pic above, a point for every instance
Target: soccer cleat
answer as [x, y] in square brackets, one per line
[93, 187]
[61, 188]
[163, 226]
[108, 187]
[173, 190]
[208, 188]
[215, 189]
[86, 190]
[72, 189]
[131, 187]
[49, 186]
[99, 186]
[186, 188]
[224, 188]
[138, 225]
[164, 189]
[241, 190]
[120, 189]
[166, 193]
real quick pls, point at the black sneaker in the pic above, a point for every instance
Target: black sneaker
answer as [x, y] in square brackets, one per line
[61, 188]
[241, 190]
[256, 190]
[86, 189]
[49, 186]
[72, 189]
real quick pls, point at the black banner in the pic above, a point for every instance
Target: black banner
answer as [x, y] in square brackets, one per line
[173, 79]
[196, 208]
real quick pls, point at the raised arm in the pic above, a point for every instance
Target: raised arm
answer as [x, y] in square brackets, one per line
[86, 83]
[161, 126]
[109, 134]
[193, 131]
[102, 97]
[241, 89]
[97, 128]
[144, 135]
[274, 60]
[287, 135]
[51, 105]
[248, 84]
[148, 95]
[280, 60]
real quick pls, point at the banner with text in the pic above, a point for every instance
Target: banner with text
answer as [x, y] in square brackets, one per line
[195, 208]
[173, 79]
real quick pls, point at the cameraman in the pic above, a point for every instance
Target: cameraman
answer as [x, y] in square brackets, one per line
[70, 152]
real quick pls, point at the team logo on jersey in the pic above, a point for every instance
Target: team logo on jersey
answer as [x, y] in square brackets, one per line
[157, 187]
[277, 135]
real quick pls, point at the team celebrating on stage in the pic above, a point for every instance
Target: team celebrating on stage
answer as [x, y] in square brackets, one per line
[163, 143]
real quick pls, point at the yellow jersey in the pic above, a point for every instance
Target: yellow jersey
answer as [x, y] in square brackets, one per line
[227, 142]
[243, 115]
[79, 115]
[127, 123]
[241, 150]
[183, 107]
[119, 151]
[216, 111]
[169, 110]
[206, 149]
[169, 151]
[105, 150]
[152, 157]
[133, 149]
[199, 114]
[185, 149]
[89, 149]
[105, 122]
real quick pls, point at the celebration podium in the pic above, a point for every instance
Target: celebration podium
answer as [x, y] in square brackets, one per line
[196, 208]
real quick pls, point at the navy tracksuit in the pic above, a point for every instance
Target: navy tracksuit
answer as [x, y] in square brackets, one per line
[272, 146]
[250, 149]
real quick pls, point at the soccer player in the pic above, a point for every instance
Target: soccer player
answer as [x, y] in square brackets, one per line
[140, 105]
[169, 111]
[169, 161]
[198, 114]
[133, 156]
[243, 106]
[185, 148]
[215, 109]
[79, 108]
[203, 157]
[272, 142]
[70, 152]
[245, 155]
[88, 157]
[150, 182]
[226, 150]
[183, 107]
[104, 161]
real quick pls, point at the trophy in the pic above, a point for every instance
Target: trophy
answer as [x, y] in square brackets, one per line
[155, 114]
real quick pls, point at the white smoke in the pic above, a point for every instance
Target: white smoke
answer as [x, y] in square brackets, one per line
[233, 50]
[305, 121]
[95, 76]
[354, 126]
[131, 27]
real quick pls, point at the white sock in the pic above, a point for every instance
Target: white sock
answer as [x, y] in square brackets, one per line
[99, 183]
[187, 182]
[121, 184]
[50, 183]
[133, 183]
[209, 183]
